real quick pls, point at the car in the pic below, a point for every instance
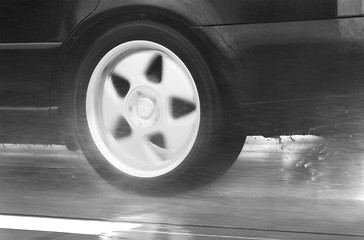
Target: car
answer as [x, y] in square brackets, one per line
[160, 95]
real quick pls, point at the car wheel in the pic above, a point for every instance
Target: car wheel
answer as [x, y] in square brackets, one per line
[149, 113]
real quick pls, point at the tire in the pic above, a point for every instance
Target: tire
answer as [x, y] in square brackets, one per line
[149, 114]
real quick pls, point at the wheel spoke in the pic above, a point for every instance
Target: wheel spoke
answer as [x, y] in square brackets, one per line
[112, 108]
[178, 132]
[134, 68]
[137, 147]
[176, 82]
[131, 145]
[155, 154]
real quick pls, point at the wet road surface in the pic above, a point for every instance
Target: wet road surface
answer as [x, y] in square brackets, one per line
[298, 187]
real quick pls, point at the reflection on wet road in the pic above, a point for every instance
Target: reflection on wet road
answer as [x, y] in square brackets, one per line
[298, 187]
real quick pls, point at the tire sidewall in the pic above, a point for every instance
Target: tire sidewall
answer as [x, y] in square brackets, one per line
[206, 145]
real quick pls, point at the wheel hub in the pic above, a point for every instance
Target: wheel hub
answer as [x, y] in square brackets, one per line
[144, 108]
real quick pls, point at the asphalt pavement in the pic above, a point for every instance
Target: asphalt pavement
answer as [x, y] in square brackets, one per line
[292, 187]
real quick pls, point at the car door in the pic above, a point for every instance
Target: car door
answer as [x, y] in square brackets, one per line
[301, 67]
[31, 34]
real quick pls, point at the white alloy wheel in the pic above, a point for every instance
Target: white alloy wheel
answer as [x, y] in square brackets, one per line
[143, 109]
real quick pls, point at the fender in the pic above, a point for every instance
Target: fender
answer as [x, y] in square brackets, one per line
[222, 12]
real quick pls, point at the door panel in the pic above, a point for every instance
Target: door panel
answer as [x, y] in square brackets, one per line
[25, 73]
[297, 75]
[31, 34]
[25, 21]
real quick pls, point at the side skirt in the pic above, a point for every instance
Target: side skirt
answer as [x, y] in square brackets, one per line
[29, 125]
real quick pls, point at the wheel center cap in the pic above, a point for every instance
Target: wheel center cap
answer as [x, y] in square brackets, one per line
[145, 108]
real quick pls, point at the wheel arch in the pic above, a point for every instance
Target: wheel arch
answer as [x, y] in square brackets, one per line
[83, 35]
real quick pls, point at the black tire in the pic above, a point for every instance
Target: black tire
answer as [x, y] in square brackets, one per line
[218, 142]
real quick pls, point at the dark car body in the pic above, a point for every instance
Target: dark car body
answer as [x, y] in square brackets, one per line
[290, 65]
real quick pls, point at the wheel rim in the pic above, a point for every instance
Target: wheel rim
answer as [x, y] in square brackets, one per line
[143, 109]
